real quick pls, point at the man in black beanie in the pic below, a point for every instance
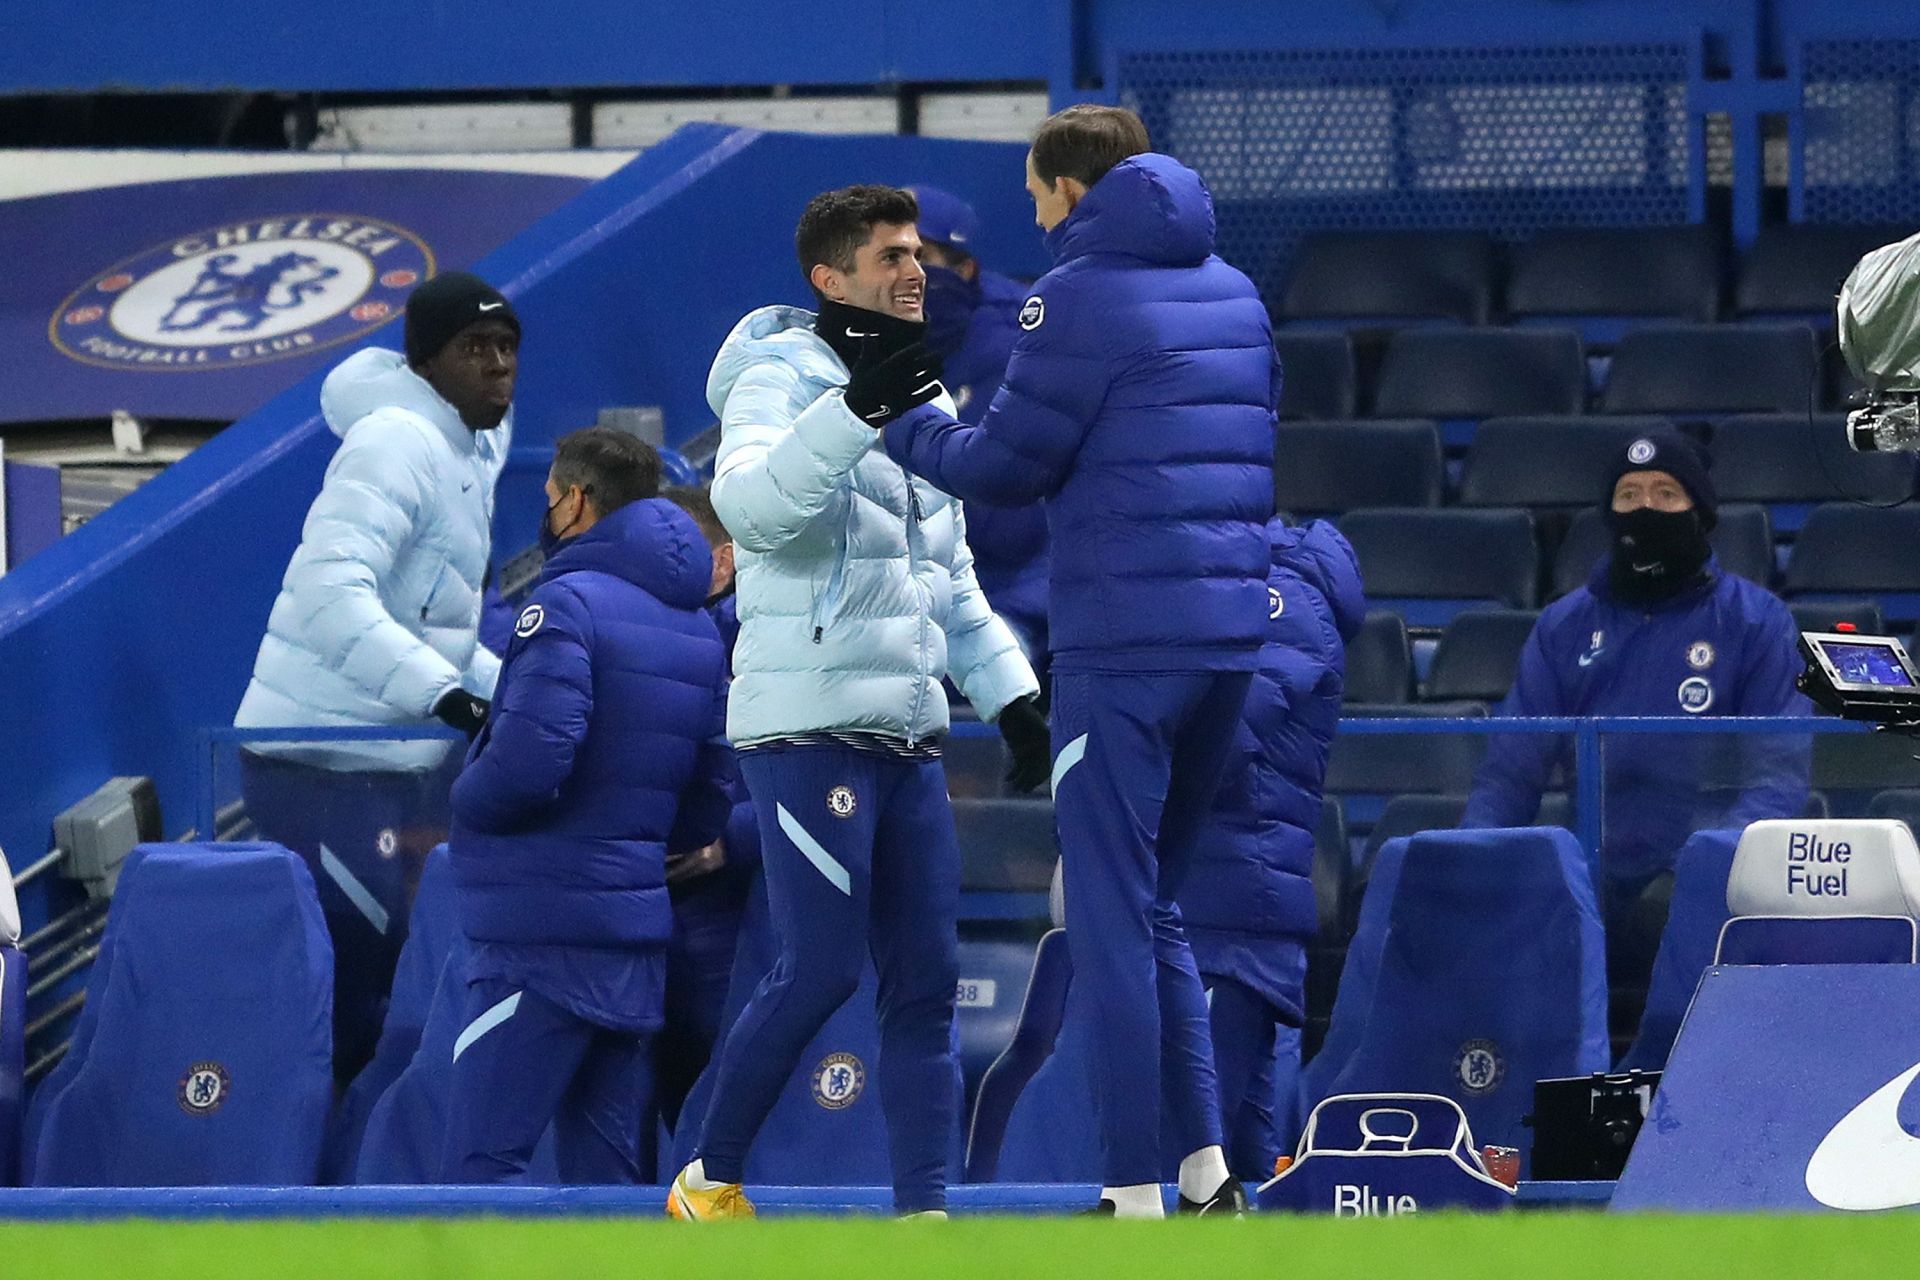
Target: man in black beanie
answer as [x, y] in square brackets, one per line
[1658, 630]
[377, 624]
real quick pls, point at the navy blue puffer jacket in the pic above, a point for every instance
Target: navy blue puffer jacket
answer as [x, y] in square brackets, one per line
[1139, 405]
[1248, 896]
[604, 750]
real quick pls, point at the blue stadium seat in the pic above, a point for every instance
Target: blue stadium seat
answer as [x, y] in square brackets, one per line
[1792, 462]
[1386, 764]
[1809, 940]
[1429, 565]
[1491, 976]
[994, 975]
[206, 1054]
[1383, 279]
[1714, 369]
[1323, 467]
[1380, 661]
[433, 931]
[1603, 281]
[1846, 551]
[1319, 378]
[1461, 376]
[1545, 462]
[1694, 918]
[1478, 655]
[1743, 541]
[13, 1030]
[1332, 867]
[1042, 1011]
[1793, 271]
[1358, 976]
[1006, 843]
[1863, 616]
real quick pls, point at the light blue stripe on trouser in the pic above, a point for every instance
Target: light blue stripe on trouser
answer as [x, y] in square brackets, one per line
[1070, 755]
[358, 894]
[485, 1023]
[823, 862]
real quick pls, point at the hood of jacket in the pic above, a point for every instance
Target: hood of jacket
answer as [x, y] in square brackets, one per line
[1322, 558]
[772, 333]
[377, 378]
[1148, 206]
[652, 543]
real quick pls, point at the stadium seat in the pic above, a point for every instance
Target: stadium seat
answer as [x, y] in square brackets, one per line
[1041, 1013]
[1791, 462]
[1603, 281]
[1409, 815]
[1694, 916]
[1850, 551]
[1380, 661]
[1742, 541]
[1381, 279]
[1793, 271]
[1318, 376]
[994, 975]
[1006, 843]
[1491, 976]
[1323, 467]
[1545, 462]
[1332, 863]
[1429, 565]
[1902, 803]
[1358, 975]
[206, 1054]
[13, 1030]
[1461, 376]
[433, 930]
[1478, 655]
[1385, 764]
[1801, 940]
[1824, 615]
[1713, 369]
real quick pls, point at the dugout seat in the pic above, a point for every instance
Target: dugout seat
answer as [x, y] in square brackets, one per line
[1319, 377]
[1380, 661]
[1742, 541]
[1793, 898]
[1429, 565]
[1602, 281]
[1384, 279]
[1386, 764]
[1479, 654]
[1694, 919]
[994, 976]
[1461, 376]
[1714, 369]
[1800, 940]
[1545, 461]
[1322, 467]
[204, 1051]
[1846, 551]
[1332, 868]
[1492, 975]
[1358, 975]
[1042, 1010]
[13, 1030]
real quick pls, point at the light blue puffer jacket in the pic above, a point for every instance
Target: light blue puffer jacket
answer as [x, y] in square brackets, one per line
[857, 591]
[379, 612]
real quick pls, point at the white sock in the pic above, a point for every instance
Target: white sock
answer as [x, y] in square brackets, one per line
[1139, 1201]
[695, 1176]
[1203, 1173]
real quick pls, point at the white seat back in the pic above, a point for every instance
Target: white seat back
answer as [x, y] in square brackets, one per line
[9, 906]
[1825, 867]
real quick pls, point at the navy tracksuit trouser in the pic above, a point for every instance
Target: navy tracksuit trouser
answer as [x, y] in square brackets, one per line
[860, 858]
[1137, 759]
[1246, 1042]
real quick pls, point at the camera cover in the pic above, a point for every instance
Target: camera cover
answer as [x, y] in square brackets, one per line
[1879, 317]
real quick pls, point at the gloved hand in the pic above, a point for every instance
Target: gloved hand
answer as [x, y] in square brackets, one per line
[461, 710]
[880, 390]
[1025, 732]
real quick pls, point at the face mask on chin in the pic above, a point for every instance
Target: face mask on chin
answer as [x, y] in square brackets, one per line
[1656, 554]
[951, 302]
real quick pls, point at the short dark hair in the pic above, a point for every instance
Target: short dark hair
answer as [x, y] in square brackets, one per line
[836, 223]
[698, 503]
[1083, 142]
[611, 467]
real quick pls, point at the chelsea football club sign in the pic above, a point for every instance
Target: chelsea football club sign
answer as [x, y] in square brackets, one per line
[246, 293]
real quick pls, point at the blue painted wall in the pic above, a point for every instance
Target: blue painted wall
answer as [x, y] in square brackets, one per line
[126, 637]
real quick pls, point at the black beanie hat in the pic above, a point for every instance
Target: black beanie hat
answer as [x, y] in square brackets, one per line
[1665, 449]
[445, 305]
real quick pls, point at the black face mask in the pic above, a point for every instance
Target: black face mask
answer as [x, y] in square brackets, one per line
[1656, 554]
[849, 330]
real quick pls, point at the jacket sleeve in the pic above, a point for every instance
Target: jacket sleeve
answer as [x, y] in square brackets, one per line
[1775, 766]
[707, 800]
[1507, 790]
[527, 749]
[777, 470]
[482, 675]
[369, 509]
[1025, 445]
[982, 655]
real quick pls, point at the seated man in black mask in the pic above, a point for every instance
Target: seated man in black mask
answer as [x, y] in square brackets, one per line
[1659, 630]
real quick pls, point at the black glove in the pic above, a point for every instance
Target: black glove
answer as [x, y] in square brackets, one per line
[880, 390]
[1025, 732]
[461, 710]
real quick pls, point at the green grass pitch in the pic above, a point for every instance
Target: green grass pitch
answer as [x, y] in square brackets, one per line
[1512, 1247]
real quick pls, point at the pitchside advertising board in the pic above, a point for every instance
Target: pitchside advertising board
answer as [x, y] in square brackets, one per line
[204, 298]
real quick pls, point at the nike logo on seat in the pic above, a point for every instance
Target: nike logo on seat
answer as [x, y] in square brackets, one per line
[1869, 1161]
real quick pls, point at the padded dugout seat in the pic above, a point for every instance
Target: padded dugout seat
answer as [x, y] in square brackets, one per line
[1035, 1030]
[1466, 375]
[1381, 279]
[1714, 369]
[1429, 565]
[1695, 915]
[1601, 281]
[1479, 655]
[1318, 374]
[1742, 540]
[994, 975]
[203, 1055]
[13, 1030]
[1333, 466]
[1546, 462]
[1380, 661]
[1789, 904]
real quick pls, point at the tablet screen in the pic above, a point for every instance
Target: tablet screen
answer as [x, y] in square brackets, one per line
[1867, 664]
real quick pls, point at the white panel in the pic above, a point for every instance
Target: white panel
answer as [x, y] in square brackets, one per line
[983, 117]
[501, 126]
[47, 172]
[641, 124]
